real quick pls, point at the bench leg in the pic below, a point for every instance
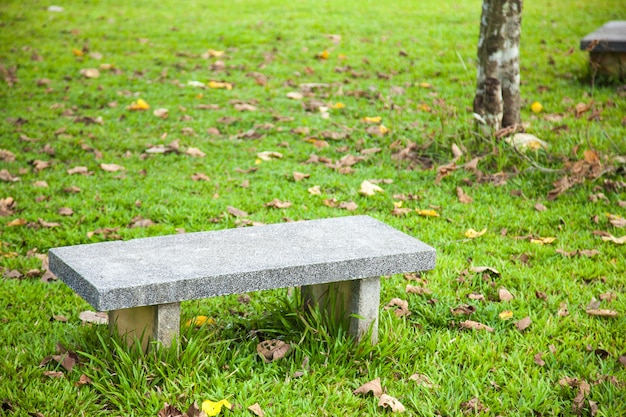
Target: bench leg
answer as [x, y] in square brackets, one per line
[159, 322]
[357, 301]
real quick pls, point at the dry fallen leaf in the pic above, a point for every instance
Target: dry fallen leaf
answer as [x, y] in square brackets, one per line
[617, 240]
[369, 189]
[411, 289]
[504, 294]
[543, 240]
[236, 212]
[400, 307]
[523, 324]
[463, 309]
[162, 113]
[256, 410]
[538, 359]
[391, 402]
[269, 155]
[90, 73]
[463, 198]
[373, 386]
[481, 269]
[472, 234]
[276, 203]
[474, 325]
[272, 350]
[195, 152]
[315, 190]
[111, 167]
[602, 313]
[94, 317]
[299, 176]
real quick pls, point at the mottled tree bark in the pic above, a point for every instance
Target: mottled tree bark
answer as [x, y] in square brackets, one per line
[497, 98]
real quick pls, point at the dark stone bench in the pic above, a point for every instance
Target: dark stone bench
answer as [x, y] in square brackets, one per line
[141, 282]
[607, 48]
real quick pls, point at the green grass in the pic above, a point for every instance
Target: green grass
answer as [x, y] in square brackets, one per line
[386, 45]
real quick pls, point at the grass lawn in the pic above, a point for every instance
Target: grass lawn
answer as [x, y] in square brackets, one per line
[83, 160]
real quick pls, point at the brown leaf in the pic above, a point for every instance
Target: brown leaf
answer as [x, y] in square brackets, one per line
[7, 206]
[53, 374]
[46, 224]
[476, 296]
[7, 176]
[579, 401]
[585, 252]
[94, 317]
[41, 165]
[373, 386]
[622, 360]
[199, 176]
[236, 212]
[79, 170]
[540, 207]
[139, 221]
[523, 324]
[463, 198]
[400, 307]
[84, 380]
[417, 290]
[195, 152]
[348, 205]
[537, 359]
[112, 167]
[276, 203]
[401, 211]
[481, 269]
[423, 380]
[391, 402]
[299, 176]
[272, 350]
[169, 410]
[473, 407]
[65, 211]
[463, 309]
[256, 410]
[602, 313]
[504, 294]
[444, 171]
[474, 325]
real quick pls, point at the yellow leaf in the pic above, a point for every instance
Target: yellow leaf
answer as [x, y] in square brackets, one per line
[217, 84]
[214, 53]
[424, 107]
[200, 321]
[323, 55]
[543, 240]
[397, 204]
[472, 234]
[427, 213]
[506, 314]
[536, 107]
[375, 119]
[212, 408]
[425, 85]
[338, 105]
[16, 222]
[383, 129]
[77, 52]
[140, 104]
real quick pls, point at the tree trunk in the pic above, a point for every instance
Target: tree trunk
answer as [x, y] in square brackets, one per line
[497, 98]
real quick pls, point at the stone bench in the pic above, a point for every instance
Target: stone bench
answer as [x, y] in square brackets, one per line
[607, 48]
[141, 282]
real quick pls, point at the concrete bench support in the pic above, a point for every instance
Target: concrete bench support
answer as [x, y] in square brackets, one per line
[337, 262]
[159, 322]
[607, 49]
